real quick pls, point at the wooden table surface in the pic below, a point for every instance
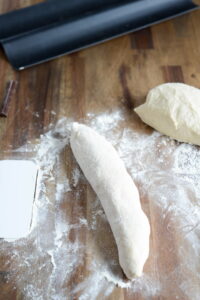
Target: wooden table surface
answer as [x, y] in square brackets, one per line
[112, 76]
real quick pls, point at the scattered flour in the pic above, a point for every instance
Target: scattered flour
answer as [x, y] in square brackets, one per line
[71, 253]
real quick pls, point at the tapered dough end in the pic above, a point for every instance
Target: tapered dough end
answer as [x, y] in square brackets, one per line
[78, 129]
[137, 271]
[134, 258]
[132, 275]
[75, 127]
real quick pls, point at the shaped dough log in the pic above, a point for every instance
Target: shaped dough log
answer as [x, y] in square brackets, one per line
[173, 109]
[118, 194]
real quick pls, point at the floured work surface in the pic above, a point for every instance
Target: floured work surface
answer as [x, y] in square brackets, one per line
[72, 244]
[71, 253]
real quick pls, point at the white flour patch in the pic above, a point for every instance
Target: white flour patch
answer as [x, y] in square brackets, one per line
[76, 173]
[71, 252]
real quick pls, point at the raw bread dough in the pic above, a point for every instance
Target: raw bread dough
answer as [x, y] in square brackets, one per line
[17, 186]
[118, 194]
[173, 109]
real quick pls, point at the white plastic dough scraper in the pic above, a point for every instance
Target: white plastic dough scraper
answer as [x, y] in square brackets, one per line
[17, 185]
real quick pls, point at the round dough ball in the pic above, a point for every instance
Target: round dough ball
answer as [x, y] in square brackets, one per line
[173, 109]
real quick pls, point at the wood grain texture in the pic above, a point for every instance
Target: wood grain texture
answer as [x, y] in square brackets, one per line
[142, 39]
[116, 74]
[173, 73]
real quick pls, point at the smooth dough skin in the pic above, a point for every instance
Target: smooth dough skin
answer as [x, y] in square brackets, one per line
[173, 109]
[118, 194]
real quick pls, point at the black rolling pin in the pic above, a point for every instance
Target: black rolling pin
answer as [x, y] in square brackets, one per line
[67, 26]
